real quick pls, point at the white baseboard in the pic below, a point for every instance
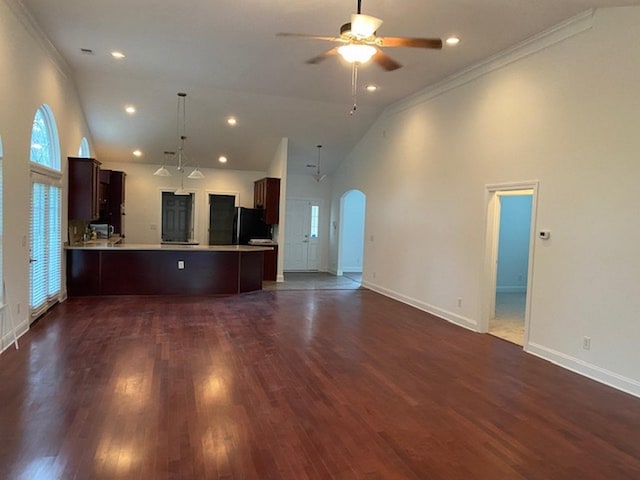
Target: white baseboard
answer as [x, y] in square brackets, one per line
[563, 360]
[512, 289]
[586, 369]
[451, 317]
[352, 269]
[280, 278]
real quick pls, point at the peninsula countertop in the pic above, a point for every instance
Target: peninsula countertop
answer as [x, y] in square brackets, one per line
[102, 267]
[107, 244]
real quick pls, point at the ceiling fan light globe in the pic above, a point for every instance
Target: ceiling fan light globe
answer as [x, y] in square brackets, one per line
[364, 26]
[355, 52]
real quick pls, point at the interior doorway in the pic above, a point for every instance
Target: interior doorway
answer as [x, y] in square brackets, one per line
[353, 206]
[177, 218]
[222, 209]
[510, 241]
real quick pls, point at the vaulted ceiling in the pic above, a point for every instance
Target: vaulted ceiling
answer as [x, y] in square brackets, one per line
[225, 55]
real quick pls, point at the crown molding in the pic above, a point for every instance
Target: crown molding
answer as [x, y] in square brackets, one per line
[35, 31]
[560, 32]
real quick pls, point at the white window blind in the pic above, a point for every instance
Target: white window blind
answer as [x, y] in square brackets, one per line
[46, 247]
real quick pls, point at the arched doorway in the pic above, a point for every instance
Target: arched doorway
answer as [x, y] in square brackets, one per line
[351, 240]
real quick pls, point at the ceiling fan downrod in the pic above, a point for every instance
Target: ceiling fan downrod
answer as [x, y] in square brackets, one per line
[354, 88]
[359, 7]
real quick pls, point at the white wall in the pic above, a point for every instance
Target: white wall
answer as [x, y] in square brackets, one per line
[31, 75]
[305, 187]
[513, 244]
[566, 115]
[143, 197]
[278, 169]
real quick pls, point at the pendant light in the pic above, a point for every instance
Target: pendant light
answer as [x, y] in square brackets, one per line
[180, 156]
[318, 176]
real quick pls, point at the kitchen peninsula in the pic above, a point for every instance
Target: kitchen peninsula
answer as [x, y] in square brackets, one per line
[109, 268]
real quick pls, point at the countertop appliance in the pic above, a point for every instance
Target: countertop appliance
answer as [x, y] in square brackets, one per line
[103, 230]
[248, 225]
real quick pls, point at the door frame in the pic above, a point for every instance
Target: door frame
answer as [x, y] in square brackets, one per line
[341, 239]
[493, 192]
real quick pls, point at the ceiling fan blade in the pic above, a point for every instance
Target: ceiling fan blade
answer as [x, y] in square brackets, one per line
[435, 43]
[323, 56]
[385, 61]
[311, 37]
[363, 26]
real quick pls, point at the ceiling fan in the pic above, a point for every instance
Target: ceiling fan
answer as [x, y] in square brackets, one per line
[361, 44]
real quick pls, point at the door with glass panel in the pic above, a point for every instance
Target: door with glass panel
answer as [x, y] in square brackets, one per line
[301, 237]
[45, 239]
[45, 249]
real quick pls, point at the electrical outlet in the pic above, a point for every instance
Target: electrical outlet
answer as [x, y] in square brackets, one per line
[154, 226]
[180, 264]
[18, 309]
[586, 343]
[374, 275]
[459, 302]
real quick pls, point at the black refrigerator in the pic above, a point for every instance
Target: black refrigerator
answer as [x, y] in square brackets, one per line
[248, 224]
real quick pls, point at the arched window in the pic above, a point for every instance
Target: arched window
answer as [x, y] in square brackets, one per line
[45, 228]
[84, 151]
[44, 139]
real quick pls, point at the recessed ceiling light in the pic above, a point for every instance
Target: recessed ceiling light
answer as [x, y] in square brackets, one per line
[117, 54]
[222, 159]
[137, 153]
[232, 121]
[130, 109]
[371, 88]
[452, 41]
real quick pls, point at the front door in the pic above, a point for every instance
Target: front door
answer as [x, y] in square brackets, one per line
[301, 242]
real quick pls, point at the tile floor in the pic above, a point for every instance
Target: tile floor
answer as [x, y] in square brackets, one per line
[509, 321]
[316, 281]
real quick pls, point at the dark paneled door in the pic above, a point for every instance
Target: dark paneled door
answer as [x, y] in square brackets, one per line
[221, 211]
[176, 217]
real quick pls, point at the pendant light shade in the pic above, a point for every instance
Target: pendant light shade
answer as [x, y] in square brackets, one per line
[180, 157]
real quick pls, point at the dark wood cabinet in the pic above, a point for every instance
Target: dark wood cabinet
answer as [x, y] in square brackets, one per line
[113, 271]
[271, 264]
[112, 199]
[84, 189]
[266, 195]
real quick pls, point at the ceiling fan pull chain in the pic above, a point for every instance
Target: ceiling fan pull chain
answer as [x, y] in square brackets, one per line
[354, 87]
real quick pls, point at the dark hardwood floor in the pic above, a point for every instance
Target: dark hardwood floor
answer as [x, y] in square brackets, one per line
[296, 385]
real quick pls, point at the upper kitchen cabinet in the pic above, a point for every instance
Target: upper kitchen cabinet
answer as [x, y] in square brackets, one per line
[84, 188]
[266, 195]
